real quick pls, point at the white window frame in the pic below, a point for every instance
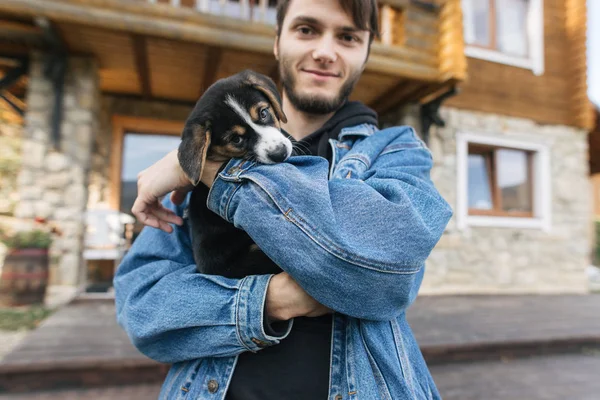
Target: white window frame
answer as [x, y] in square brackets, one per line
[535, 35]
[542, 191]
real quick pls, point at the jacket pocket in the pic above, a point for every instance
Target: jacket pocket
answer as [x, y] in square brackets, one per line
[351, 167]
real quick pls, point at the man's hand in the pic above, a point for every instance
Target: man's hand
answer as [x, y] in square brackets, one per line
[286, 299]
[158, 180]
[155, 182]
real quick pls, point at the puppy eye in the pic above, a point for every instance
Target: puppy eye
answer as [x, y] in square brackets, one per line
[237, 139]
[264, 114]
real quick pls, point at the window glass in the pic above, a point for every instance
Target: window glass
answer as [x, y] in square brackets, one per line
[511, 22]
[477, 22]
[480, 194]
[139, 152]
[513, 177]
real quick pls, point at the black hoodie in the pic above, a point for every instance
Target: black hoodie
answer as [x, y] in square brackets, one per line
[298, 367]
[352, 113]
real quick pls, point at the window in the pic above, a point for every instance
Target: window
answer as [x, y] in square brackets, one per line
[502, 182]
[137, 144]
[139, 152]
[505, 31]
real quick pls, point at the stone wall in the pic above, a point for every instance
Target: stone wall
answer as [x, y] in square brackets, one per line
[11, 139]
[514, 260]
[53, 183]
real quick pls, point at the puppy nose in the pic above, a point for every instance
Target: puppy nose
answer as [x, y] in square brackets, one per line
[280, 154]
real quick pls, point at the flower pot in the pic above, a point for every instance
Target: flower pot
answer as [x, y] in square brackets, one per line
[24, 277]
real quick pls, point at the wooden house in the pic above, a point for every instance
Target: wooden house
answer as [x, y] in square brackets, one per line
[105, 85]
[512, 157]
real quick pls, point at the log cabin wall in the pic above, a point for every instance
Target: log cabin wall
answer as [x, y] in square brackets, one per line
[558, 96]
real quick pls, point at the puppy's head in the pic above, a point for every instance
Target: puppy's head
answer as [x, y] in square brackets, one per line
[237, 117]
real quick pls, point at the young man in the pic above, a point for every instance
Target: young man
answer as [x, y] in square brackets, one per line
[351, 229]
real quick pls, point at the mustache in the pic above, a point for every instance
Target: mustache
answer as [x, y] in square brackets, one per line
[312, 104]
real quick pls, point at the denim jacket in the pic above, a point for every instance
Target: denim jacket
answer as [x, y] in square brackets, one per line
[355, 236]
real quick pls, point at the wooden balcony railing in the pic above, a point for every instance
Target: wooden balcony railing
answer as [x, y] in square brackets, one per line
[262, 11]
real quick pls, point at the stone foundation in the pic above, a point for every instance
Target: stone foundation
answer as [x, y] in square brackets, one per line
[514, 260]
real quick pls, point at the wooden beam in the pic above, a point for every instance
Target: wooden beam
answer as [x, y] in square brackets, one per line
[213, 62]
[451, 54]
[406, 92]
[137, 97]
[102, 8]
[153, 20]
[13, 102]
[140, 50]
[402, 69]
[394, 95]
[582, 111]
[18, 29]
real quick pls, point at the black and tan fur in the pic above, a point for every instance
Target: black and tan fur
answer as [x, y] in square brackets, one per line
[237, 117]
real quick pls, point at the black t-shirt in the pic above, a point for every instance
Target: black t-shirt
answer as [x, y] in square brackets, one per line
[298, 367]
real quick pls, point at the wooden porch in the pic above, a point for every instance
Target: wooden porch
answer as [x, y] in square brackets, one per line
[81, 345]
[174, 49]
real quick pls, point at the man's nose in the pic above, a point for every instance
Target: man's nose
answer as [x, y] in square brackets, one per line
[325, 51]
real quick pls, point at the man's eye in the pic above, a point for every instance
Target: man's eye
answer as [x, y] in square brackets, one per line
[264, 115]
[237, 139]
[348, 38]
[305, 30]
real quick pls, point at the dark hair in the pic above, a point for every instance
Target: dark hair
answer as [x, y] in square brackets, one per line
[363, 13]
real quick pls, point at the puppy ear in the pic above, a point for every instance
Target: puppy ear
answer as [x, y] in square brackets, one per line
[268, 87]
[193, 149]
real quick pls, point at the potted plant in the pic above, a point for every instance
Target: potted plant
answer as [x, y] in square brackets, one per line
[24, 275]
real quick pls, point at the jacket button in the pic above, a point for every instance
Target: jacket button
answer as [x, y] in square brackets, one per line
[338, 397]
[213, 386]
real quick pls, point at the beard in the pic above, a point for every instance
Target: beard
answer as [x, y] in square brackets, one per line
[311, 104]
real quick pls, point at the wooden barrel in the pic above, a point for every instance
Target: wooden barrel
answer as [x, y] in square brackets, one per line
[24, 277]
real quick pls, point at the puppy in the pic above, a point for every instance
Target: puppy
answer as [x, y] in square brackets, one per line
[237, 117]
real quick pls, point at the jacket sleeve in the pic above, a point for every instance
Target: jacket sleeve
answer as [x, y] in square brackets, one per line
[172, 313]
[356, 243]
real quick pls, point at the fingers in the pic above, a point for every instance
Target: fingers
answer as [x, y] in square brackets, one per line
[151, 220]
[165, 215]
[155, 215]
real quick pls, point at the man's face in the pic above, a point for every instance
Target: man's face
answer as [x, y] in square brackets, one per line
[321, 55]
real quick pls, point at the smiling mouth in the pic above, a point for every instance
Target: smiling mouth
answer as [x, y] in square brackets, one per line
[321, 73]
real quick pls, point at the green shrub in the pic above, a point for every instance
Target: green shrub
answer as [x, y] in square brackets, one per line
[32, 239]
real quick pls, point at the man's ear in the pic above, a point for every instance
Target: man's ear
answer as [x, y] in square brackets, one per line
[268, 88]
[193, 149]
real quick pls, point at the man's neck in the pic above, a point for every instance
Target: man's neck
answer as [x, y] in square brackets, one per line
[301, 124]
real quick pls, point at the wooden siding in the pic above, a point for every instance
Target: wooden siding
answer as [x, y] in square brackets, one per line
[171, 51]
[556, 97]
